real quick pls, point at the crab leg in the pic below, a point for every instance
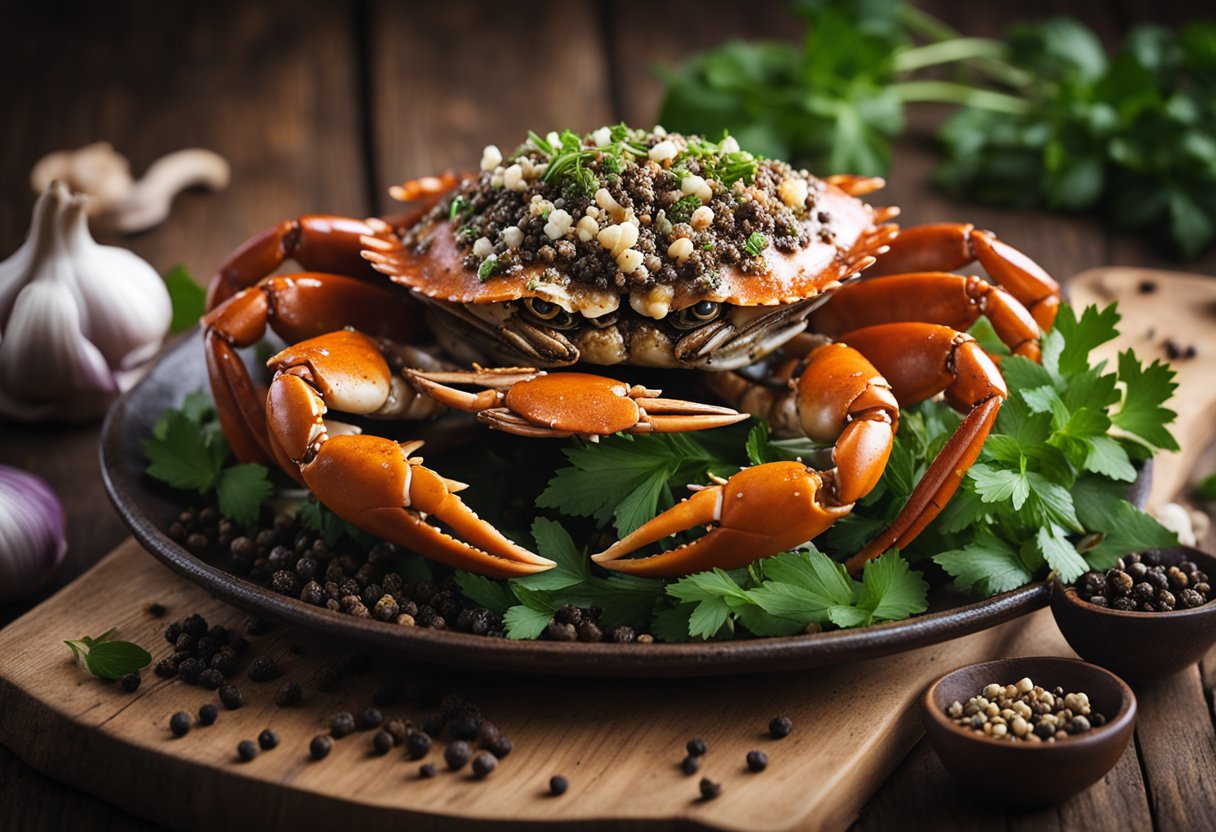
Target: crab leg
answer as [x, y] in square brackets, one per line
[951, 245]
[296, 307]
[951, 300]
[922, 360]
[371, 481]
[768, 508]
[529, 402]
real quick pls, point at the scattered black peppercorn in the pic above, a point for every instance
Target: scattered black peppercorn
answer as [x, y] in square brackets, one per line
[165, 668]
[457, 754]
[289, 694]
[382, 743]
[558, 785]
[341, 724]
[397, 729]
[434, 724]
[464, 727]
[690, 765]
[757, 761]
[500, 748]
[232, 697]
[487, 734]
[426, 770]
[268, 739]
[696, 747]
[179, 723]
[779, 727]
[710, 789]
[156, 610]
[418, 745]
[130, 682]
[207, 714]
[370, 718]
[246, 750]
[483, 764]
[320, 746]
[263, 669]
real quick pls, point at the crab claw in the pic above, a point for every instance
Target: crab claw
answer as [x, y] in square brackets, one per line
[758, 512]
[369, 481]
[528, 402]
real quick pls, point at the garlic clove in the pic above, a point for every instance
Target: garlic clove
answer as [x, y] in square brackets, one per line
[148, 203]
[32, 537]
[96, 169]
[125, 308]
[46, 361]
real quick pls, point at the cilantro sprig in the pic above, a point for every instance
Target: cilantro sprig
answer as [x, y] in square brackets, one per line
[106, 658]
[1045, 119]
[187, 450]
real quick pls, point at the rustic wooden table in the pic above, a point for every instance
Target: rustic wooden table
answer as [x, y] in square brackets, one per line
[320, 106]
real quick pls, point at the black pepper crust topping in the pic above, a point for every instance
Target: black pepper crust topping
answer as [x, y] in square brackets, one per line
[696, 207]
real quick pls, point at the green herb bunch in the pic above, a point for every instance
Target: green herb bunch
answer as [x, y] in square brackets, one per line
[187, 450]
[1046, 119]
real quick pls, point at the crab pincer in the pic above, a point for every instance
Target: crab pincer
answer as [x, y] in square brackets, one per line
[534, 403]
[373, 482]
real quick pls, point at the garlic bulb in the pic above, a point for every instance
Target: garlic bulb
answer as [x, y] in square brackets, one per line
[32, 541]
[77, 319]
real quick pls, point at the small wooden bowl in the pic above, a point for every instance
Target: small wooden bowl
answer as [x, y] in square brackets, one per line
[1139, 646]
[1017, 773]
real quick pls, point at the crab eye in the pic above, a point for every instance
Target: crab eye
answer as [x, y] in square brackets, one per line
[548, 313]
[697, 314]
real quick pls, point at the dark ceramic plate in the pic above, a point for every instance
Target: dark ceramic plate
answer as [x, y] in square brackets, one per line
[148, 507]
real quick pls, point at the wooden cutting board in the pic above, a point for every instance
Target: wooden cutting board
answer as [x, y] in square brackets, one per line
[618, 742]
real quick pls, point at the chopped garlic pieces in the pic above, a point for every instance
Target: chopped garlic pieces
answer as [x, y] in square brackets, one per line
[512, 236]
[482, 247]
[664, 151]
[602, 136]
[559, 224]
[617, 238]
[587, 228]
[629, 260]
[513, 178]
[606, 201]
[702, 218]
[695, 185]
[491, 157]
[680, 250]
[654, 302]
[793, 192]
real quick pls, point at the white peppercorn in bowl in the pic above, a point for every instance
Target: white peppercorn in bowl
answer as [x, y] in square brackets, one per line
[1139, 646]
[1053, 771]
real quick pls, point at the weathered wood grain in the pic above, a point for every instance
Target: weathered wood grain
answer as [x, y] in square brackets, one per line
[449, 78]
[618, 741]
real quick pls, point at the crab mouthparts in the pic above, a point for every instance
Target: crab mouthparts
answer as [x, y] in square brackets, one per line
[745, 335]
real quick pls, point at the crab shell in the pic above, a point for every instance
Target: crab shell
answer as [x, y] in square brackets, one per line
[476, 320]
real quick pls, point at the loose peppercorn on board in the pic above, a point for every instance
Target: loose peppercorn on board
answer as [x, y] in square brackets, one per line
[619, 743]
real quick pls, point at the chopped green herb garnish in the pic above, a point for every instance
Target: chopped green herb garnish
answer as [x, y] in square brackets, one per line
[682, 210]
[756, 243]
[459, 206]
[188, 451]
[488, 266]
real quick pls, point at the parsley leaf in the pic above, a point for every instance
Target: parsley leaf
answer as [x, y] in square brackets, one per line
[186, 298]
[1147, 389]
[988, 563]
[106, 658]
[188, 451]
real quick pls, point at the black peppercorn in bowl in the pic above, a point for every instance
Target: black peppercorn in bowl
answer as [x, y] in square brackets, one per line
[1046, 772]
[1140, 645]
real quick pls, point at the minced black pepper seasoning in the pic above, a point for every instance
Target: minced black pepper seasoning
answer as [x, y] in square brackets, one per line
[548, 204]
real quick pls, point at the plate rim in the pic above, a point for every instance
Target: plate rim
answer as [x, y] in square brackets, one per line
[469, 651]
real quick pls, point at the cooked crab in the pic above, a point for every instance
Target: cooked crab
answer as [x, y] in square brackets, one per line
[619, 248]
